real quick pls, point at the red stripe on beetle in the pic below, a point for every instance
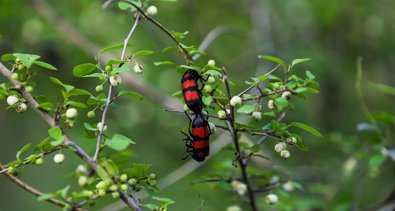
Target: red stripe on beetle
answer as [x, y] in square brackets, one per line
[200, 144]
[191, 95]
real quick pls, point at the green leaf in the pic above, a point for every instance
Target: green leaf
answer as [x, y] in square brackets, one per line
[164, 201]
[110, 167]
[47, 106]
[68, 88]
[135, 95]
[213, 73]
[313, 91]
[273, 59]
[116, 46]
[63, 192]
[298, 61]
[119, 142]
[8, 57]
[44, 65]
[76, 104]
[176, 93]
[45, 196]
[89, 127]
[310, 75]
[164, 63]
[143, 52]
[43, 146]
[26, 59]
[102, 173]
[124, 6]
[78, 92]
[83, 69]
[56, 134]
[150, 206]
[22, 150]
[246, 109]
[170, 48]
[300, 89]
[225, 186]
[306, 128]
[121, 69]
[138, 170]
[281, 103]
[383, 88]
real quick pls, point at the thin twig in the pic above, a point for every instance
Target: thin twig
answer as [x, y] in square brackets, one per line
[184, 51]
[32, 190]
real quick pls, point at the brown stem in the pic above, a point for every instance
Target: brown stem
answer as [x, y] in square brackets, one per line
[243, 165]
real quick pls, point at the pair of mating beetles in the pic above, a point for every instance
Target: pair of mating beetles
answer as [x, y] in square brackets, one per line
[197, 142]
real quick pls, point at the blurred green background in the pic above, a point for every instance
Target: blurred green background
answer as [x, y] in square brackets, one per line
[332, 33]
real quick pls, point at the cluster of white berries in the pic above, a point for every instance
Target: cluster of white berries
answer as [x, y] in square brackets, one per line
[282, 149]
[16, 103]
[239, 187]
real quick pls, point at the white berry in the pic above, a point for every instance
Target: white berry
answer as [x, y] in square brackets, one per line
[138, 68]
[233, 208]
[270, 104]
[21, 108]
[152, 10]
[257, 115]
[292, 140]
[280, 147]
[99, 126]
[288, 186]
[239, 187]
[71, 113]
[212, 127]
[58, 158]
[115, 80]
[285, 154]
[236, 101]
[286, 95]
[271, 199]
[81, 169]
[12, 100]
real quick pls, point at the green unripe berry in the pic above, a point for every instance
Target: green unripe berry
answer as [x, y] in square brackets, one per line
[12, 170]
[221, 114]
[207, 89]
[91, 202]
[152, 176]
[21, 66]
[99, 88]
[29, 89]
[91, 114]
[18, 60]
[152, 182]
[124, 187]
[101, 192]
[114, 188]
[39, 162]
[115, 195]
[102, 185]
[211, 62]
[211, 80]
[82, 181]
[108, 68]
[15, 76]
[123, 178]
[132, 181]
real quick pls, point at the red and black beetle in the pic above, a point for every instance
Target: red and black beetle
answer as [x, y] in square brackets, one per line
[190, 91]
[197, 141]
